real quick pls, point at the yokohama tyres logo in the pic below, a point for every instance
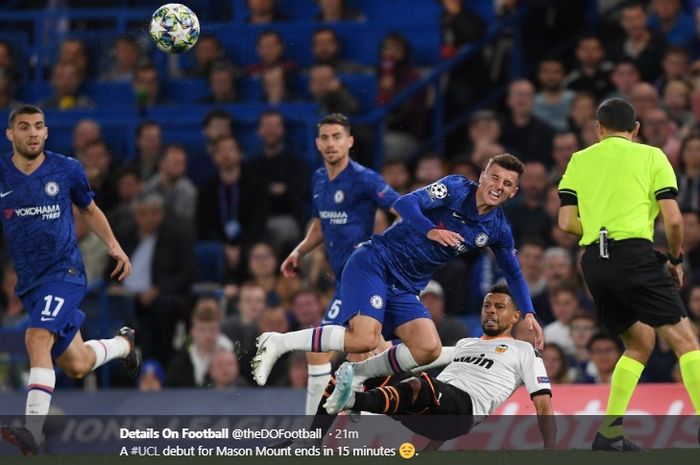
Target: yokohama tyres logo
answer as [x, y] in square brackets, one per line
[47, 212]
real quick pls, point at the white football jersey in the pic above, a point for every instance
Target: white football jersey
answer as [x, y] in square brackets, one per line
[490, 371]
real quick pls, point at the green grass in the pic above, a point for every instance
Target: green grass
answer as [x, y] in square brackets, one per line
[570, 457]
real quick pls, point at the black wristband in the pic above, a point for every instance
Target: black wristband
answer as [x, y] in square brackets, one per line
[675, 261]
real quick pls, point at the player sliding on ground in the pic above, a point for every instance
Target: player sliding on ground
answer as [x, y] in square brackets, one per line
[37, 190]
[481, 374]
[382, 278]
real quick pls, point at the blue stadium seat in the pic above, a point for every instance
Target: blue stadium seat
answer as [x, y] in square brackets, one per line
[19, 41]
[110, 93]
[405, 10]
[35, 91]
[12, 342]
[362, 86]
[374, 10]
[118, 128]
[105, 311]
[182, 126]
[298, 10]
[360, 41]
[210, 261]
[186, 90]
[250, 90]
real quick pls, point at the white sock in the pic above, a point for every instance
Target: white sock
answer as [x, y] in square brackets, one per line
[108, 349]
[319, 375]
[397, 359]
[320, 339]
[39, 391]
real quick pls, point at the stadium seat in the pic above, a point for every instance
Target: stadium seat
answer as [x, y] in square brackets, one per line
[403, 11]
[186, 91]
[250, 90]
[110, 93]
[362, 86]
[360, 41]
[106, 310]
[210, 261]
[12, 342]
[34, 92]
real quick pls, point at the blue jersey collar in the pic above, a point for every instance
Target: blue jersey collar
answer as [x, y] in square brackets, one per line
[342, 174]
[472, 213]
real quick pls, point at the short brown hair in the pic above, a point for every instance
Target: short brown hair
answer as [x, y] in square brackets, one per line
[566, 286]
[23, 110]
[221, 139]
[206, 311]
[582, 315]
[507, 161]
[336, 118]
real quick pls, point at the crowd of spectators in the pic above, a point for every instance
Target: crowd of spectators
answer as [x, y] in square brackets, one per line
[255, 206]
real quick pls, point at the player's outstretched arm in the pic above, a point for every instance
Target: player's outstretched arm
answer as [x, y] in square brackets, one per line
[313, 238]
[507, 260]
[545, 419]
[97, 222]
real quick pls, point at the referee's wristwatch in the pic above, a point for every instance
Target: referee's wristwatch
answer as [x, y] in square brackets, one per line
[675, 260]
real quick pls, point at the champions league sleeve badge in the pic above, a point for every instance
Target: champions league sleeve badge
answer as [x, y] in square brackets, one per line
[437, 191]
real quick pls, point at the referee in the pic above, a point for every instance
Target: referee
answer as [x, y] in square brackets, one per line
[610, 195]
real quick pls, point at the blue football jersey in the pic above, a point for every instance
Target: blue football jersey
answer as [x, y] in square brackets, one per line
[450, 204]
[38, 219]
[346, 207]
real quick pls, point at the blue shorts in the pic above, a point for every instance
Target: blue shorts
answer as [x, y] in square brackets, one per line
[54, 306]
[367, 289]
[333, 313]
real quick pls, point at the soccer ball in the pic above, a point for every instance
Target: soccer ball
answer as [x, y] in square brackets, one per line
[174, 28]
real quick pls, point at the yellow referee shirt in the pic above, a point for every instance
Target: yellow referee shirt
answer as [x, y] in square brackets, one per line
[617, 183]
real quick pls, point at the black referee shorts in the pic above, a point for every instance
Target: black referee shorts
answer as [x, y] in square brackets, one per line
[632, 285]
[441, 411]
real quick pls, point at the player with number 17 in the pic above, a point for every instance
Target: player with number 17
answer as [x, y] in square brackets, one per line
[37, 191]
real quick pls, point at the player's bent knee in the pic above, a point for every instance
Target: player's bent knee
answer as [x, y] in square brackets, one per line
[38, 338]
[416, 386]
[76, 369]
[427, 352]
[367, 343]
[424, 394]
[363, 341]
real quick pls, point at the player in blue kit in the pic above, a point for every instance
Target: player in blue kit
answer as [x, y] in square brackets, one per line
[346, 196]
[383, 277]
[37, 190]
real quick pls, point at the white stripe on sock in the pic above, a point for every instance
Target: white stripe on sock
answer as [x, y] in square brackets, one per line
[38, 400]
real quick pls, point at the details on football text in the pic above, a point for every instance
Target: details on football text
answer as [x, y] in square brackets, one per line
[243, 442]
